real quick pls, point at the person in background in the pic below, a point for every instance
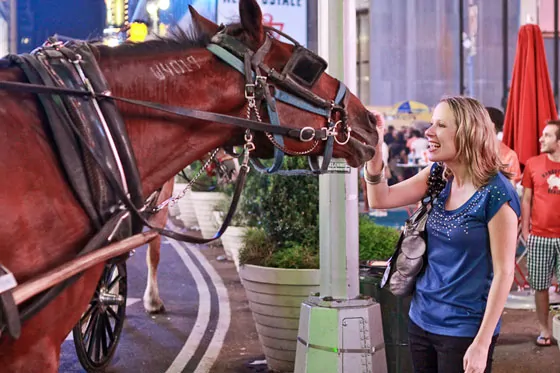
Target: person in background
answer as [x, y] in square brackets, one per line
[419, 146]
[471, 240]
[389, 137]
[507, 155]
[540, 222]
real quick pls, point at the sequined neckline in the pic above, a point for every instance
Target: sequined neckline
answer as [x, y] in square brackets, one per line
[467, 203]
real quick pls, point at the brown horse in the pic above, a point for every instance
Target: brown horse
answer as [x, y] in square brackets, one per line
[43, 225]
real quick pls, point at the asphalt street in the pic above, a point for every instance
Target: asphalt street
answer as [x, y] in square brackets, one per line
[184, 339]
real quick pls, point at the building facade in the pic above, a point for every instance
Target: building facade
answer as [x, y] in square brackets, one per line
[414, 50]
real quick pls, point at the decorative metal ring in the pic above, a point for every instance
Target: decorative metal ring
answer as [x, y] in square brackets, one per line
[302, 131]
[349, 131]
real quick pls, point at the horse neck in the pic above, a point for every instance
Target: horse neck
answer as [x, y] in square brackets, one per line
[162, 143]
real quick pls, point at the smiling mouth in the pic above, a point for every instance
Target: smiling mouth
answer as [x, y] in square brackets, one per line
[432, 146]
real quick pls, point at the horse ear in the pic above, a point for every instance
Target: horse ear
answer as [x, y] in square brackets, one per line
[251, 19]
[202, 24]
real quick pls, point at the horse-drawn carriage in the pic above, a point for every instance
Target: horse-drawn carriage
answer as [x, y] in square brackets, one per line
[89, 130]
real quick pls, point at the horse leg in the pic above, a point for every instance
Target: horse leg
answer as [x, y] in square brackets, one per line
[151, 299]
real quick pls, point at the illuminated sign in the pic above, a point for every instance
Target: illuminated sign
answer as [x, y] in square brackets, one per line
[289, 16]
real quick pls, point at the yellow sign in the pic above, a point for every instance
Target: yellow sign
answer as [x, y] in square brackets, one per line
[138, 32]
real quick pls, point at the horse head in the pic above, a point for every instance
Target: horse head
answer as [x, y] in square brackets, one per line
[182, 71]
[285, 66]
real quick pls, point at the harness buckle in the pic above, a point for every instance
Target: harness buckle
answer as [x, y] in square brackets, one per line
[302, 133]
[250, 89]
[329, 132]
[260, 81]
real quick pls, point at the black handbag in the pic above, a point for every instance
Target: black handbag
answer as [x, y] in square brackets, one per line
[409, 258]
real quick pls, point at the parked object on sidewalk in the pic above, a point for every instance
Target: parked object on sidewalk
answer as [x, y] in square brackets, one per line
[556, 328]
[394, 314]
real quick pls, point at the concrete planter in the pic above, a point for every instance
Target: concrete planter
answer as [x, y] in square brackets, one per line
[556, 328]
[184, 209]
[204, 204]
[232, 239]
[275, 296]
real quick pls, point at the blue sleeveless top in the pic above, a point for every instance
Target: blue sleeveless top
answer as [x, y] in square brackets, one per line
[451, 294]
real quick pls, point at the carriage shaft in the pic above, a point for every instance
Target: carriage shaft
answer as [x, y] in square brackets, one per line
[25, 291]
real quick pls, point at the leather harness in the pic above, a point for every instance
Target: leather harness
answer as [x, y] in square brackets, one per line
[95, 153]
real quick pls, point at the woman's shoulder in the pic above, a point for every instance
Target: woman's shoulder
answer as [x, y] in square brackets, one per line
[500, 181]
[501, 190]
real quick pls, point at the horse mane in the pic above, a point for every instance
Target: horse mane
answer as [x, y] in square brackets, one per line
[177, 40]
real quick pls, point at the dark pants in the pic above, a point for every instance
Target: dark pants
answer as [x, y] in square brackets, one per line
[434, 353]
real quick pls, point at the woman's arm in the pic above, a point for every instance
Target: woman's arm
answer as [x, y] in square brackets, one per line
[502, 229]
[526, 203]
[382, 196]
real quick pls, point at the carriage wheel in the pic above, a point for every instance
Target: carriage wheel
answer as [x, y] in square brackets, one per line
[97, 333]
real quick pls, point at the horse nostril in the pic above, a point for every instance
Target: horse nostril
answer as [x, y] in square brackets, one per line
[372, 118]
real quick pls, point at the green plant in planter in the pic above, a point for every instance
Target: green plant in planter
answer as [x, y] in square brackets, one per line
[257, 248]
[377, 242]
[238, 219]
[284, 211]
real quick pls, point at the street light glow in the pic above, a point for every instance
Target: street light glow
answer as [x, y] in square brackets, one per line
[151, 7]
[163, 4]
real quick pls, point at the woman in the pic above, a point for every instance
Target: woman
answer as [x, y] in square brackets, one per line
[472, 232]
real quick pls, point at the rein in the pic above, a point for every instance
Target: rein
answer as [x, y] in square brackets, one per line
[302, 134]
[257, 89]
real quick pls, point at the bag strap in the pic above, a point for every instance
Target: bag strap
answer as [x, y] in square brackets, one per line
[436, 183]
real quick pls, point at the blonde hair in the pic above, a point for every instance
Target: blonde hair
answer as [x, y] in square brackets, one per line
[475, 140]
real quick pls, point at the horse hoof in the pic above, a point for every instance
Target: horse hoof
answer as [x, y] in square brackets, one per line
[154, 308]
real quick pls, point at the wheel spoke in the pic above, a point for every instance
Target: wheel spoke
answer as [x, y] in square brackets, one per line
[87, 314]
[109, 328]
[114, 314]
[91, 329]
[102, 331]
[110, 273]
[99, 330]
[114, 282]
[89, 326]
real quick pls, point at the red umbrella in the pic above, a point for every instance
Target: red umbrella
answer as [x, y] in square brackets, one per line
[531, 102]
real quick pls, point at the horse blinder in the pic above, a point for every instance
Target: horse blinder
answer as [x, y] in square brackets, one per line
[304, 66]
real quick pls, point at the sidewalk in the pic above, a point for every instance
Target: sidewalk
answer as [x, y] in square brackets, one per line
[515, 352]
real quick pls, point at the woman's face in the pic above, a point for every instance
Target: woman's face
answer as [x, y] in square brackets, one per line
[441, 134]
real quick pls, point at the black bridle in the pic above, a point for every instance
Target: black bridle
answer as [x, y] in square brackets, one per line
[292, 86]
